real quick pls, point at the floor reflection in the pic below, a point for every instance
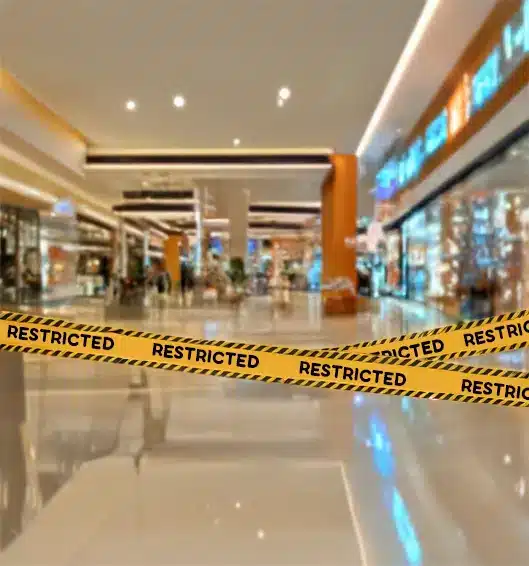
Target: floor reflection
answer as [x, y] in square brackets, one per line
[404, 482]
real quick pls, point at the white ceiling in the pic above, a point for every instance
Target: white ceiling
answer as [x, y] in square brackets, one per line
[279, 187]
[86, 58]
[451, 28]
[228, 59]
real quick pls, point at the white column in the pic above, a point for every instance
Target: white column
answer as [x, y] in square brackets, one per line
[146, 245]
[238, 207]
[123, 251]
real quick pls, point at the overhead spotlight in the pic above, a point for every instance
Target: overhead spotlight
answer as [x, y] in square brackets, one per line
[179, 101]
[131, 105]
[236, 142]
[284, 93]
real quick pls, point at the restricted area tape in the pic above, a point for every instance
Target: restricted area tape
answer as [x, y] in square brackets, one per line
[422, 376]
[509, 331]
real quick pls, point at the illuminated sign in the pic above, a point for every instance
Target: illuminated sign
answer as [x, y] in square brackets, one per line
[415, 159]
[436, 133]
[459, 107]
[387, 180]
[472, 94]
[515, 41]
[64, 207]
[486, 81]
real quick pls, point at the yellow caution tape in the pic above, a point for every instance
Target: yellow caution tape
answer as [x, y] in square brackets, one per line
[419, 377]
[509, 331]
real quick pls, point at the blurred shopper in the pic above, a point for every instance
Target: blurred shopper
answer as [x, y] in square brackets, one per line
[162, 285]
[479, 296]
[216, 280]
[187, 283]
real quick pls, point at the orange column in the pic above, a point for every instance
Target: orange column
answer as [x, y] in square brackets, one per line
[172, 256]
[338, 224]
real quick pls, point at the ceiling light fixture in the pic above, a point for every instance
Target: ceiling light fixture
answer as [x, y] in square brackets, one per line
[280, 102]
[404, 61]
[284, 93]
[179, 101]
[131, 105]
[236, 142]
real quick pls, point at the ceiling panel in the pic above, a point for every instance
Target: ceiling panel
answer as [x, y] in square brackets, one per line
[228, 59]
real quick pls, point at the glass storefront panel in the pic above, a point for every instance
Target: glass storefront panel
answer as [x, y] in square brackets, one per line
[59, 251]
[415, 237]
[20, 278]
[467, 252]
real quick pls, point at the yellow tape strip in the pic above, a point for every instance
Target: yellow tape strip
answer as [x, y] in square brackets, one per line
[329, 369]
[509, 331]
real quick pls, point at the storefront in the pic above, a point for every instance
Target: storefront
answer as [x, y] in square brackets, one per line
[59, 249]
[467, 252]
[20, 278]
[95, 257]
[463, 242]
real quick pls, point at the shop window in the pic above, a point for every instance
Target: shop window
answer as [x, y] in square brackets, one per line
[20, 281]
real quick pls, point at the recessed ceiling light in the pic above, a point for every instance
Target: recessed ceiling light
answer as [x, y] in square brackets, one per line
[131, 105]
[179, 101]
[284, 93]
[236, 142]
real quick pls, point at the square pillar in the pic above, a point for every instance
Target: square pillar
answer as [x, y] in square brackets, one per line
[338, 225]
[172, 256]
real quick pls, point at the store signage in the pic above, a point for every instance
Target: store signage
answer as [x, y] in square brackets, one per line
[459, 107]
[486, 81]
[387, 181]
[515, 41]
[64, 207]
[436, 133]
[472, 94]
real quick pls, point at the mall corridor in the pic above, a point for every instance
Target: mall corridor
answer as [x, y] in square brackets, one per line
[279, 175]
[214, 471]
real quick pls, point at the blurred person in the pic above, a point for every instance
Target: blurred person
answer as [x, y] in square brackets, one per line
[480, 295]
[187, 282]
[162, 285]
[31, 273]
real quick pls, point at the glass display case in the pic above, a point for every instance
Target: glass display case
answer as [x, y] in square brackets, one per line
[394, 262]
[415, 239]
[510, 249]
[59, 247]
[20, 277]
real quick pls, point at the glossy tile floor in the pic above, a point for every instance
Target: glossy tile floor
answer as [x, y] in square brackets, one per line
[204, 471]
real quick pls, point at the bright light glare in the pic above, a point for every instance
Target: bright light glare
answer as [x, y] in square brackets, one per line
[415, 38]
[236, 142]
[284, 93]
[179, 101]
[130, 105]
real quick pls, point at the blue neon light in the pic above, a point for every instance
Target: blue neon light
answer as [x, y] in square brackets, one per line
[515, 40]
[415, 159]
[486, 81]
[436, 133]
[525, 25]
[401, 169]
[387, 180]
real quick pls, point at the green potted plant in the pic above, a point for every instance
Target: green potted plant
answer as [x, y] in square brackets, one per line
[237, 274]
